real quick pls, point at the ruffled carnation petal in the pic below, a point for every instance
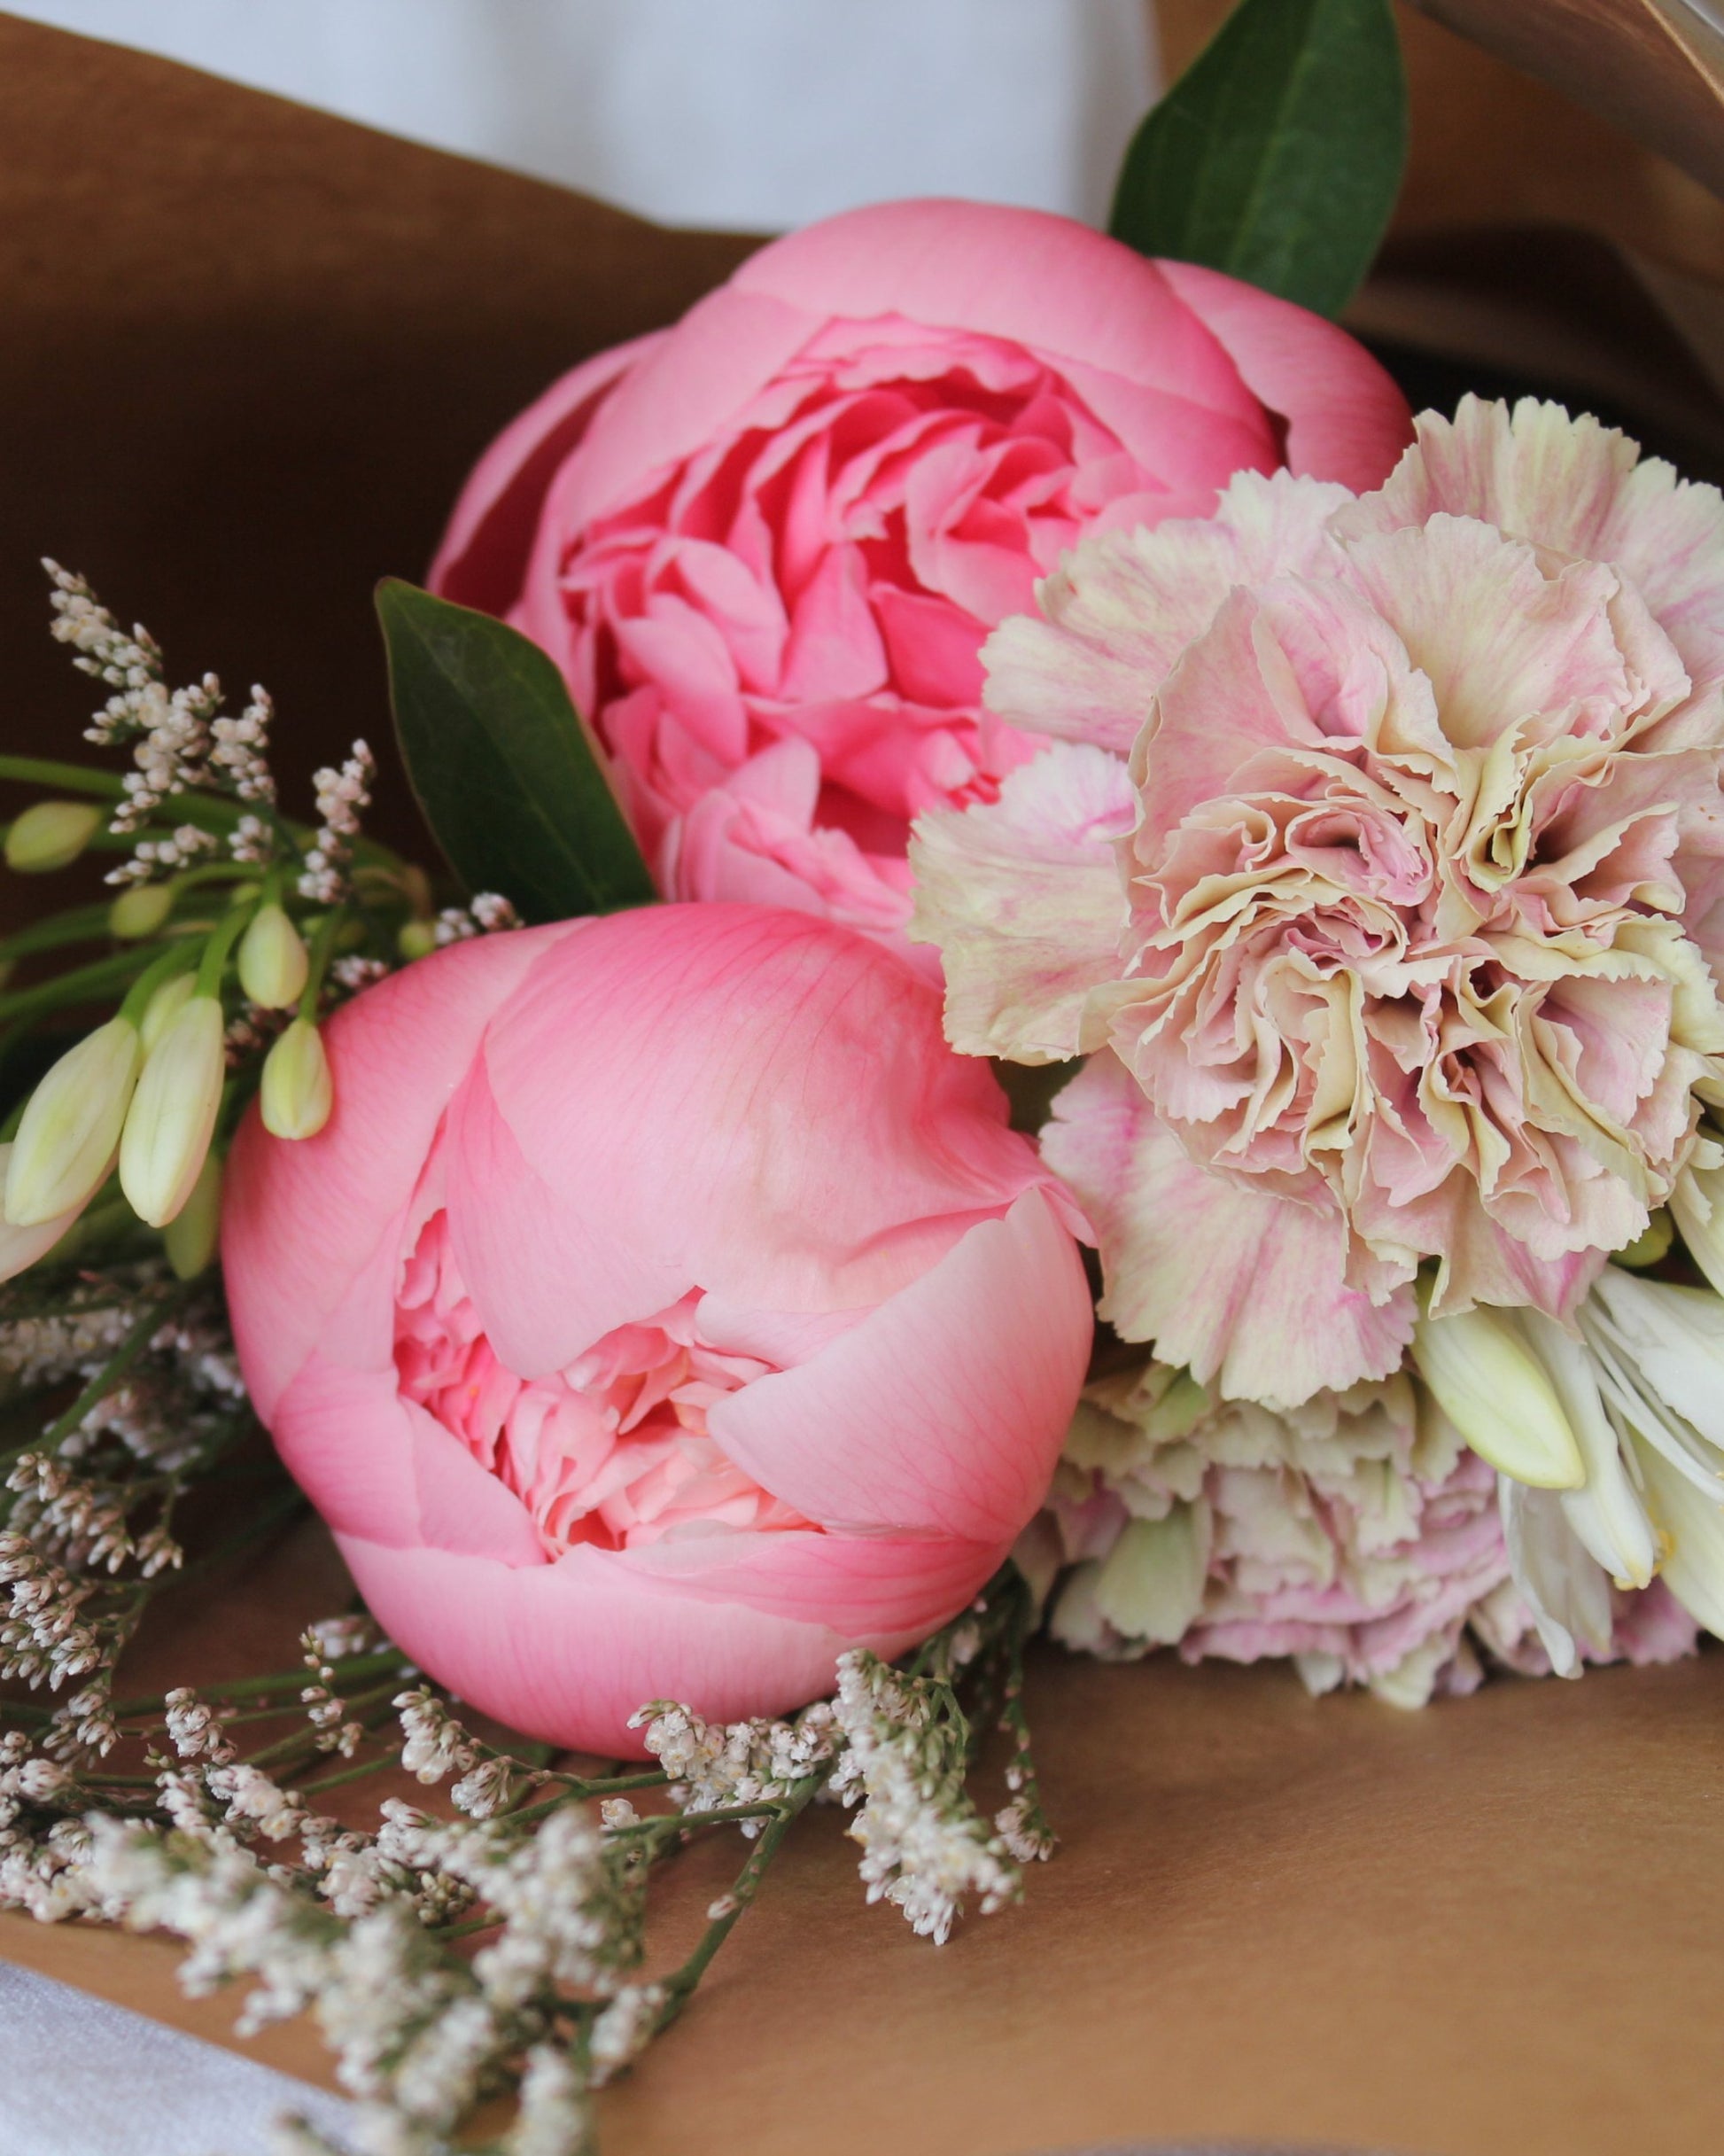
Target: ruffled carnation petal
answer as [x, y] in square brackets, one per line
[1024, 900]
[1245, 1289]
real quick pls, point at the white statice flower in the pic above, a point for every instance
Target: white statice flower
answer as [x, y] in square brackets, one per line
[554, 2117]
[488, 914]
[713, 1765]
[194, 1727]
[1355, 1534]
[434, 1744]
[343, 793]
[622, 2029]
[255, 1802]
[924, 1848]
[571, 1914]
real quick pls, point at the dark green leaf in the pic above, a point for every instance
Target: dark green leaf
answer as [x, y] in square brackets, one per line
[1278, 154]
[509, 783]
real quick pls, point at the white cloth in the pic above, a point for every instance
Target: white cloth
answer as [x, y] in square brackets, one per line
[79, 2077]
[756, 114]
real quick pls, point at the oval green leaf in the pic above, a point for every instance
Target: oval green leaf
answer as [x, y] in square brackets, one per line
[502, 768]
[1278, 155]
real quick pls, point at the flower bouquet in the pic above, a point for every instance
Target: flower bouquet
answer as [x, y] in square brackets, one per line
[965, 648]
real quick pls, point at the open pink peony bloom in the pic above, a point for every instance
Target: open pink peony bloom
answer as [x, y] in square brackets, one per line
[766, 546]
[663, 1308]
[1380, 853]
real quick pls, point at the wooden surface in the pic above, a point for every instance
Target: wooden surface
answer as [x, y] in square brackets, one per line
[1495, 1928]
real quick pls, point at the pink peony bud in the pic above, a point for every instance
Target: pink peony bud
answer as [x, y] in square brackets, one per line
[663, 1309]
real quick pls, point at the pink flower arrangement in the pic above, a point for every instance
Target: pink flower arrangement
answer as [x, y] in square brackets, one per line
[663, 1308]
[1379, 856]
[764, 547]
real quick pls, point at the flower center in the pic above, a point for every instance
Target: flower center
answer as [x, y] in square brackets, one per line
[612, 1450]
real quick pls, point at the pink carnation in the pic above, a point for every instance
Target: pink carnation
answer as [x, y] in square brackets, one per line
[1356, 1535]
[766, 546]
[1381, 854]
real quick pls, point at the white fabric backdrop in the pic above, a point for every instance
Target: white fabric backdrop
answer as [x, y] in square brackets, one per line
[751, 113]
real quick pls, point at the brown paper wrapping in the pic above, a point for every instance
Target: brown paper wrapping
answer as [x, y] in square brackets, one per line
[250, 352]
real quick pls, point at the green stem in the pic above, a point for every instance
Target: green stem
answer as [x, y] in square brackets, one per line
[60, 778]
[76, 924]
[679, 1986]
[214, 961]
[83, 984]
[322, 948]
[161, 969]
[291, 1680]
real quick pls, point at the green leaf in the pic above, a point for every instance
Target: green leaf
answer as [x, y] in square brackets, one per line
[513, 789]
[1278, 155]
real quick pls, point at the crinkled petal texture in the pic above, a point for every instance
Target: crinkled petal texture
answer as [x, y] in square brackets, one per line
[1416, 887]
[663, 1308]
[766, 546]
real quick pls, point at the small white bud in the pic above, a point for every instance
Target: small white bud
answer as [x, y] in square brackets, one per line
[51, 834]
[1496, 1392]
[192, 1235]
[172, 1113]
[20, 1247]
[71, 1125]
[139, 912]
[273, 964]
[296, 1095]
[416, 939]
[165, 1006]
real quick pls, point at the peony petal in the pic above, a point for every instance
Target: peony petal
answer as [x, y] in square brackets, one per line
[1346, 418]
[848, 1192]
[1246, 1290]
[1024, 896]
[344, 1189]
[567, 1652]
[946, 1406]
[1037, 279]
[482, 557]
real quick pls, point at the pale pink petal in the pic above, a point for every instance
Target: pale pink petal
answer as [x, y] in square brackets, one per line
[946, 1406]
[1346, 418]
[1498, 640]
[1122, 607]
[1024, 899]
[1245, 1289]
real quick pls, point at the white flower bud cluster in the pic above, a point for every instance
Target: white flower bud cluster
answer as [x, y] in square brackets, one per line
[489, 914]
[240, 747]
[924, 1847]
[715, 1764]
[343, 794]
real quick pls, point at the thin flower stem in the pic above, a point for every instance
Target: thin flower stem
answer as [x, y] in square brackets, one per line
[678, 1987]
[358, 1666]
[60, 778]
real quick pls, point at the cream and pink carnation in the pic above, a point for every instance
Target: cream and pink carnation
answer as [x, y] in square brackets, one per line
[1354, 1534]
[1378, 860]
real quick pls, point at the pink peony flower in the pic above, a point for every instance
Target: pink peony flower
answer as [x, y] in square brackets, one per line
[1356, 1535]
[663, 1309]
[766, 546]
[1380, 855]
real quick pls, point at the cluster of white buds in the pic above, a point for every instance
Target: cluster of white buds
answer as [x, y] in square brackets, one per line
[325, 1710]
[44, 1636]
[154, 857]
[343, 794]
[713, 1765]
[490, 913]
[924, 1847]
[434, 1743]
[240, 747]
